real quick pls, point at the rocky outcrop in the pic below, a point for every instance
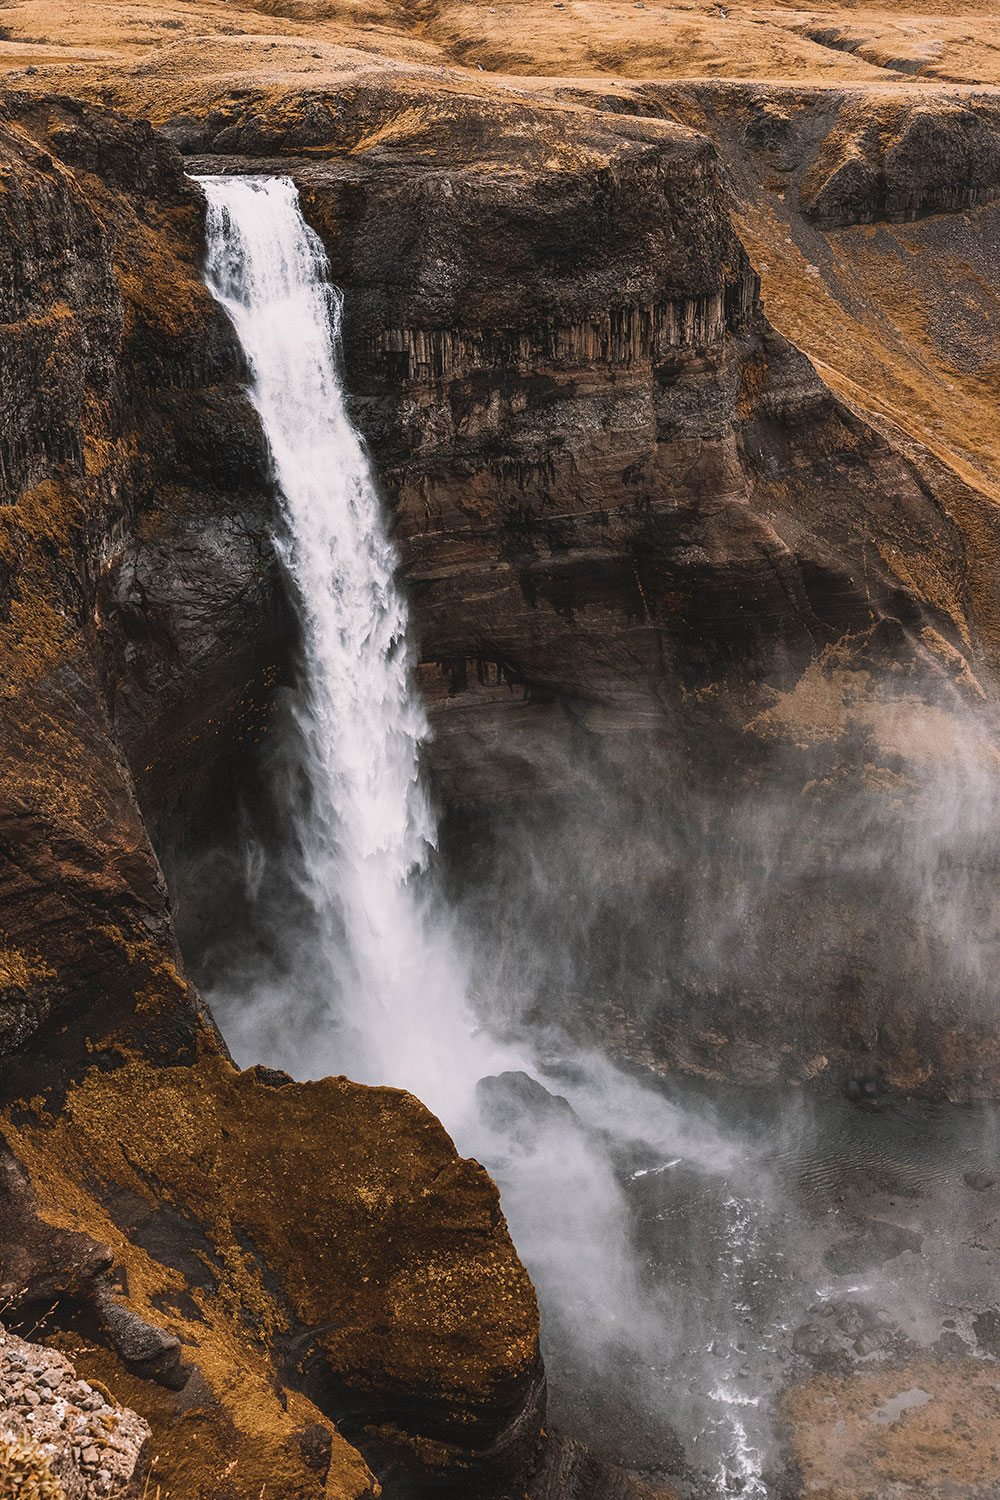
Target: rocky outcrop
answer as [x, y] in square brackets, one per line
[902, 160]
[253, 1277]
[392, 1235]
[89, 1446]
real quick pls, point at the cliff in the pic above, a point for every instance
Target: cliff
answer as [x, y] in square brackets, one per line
[672, 334]
[245, 1261]
[664, 578]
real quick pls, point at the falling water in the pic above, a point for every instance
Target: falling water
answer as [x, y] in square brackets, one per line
[394, 980]
[367, 830]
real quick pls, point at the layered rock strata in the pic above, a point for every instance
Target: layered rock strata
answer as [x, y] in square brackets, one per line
[663, 579]
[687, 564]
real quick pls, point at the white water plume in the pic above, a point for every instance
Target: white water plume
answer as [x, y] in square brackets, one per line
[392, 981]
[367, 826]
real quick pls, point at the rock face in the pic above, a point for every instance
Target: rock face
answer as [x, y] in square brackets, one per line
[658, 563]
[663, 579]
[243, 1303]
[392, 1237]
[90, 1447]
[116, 395]
[903, 160]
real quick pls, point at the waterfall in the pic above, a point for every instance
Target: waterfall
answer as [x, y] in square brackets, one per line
[365, 826]
[378, 960]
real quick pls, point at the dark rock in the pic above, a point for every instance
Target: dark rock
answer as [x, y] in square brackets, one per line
[316, 1443]
[979, 1181]
[904, 160]
[272, 1078]
[39, 1262]
[865, 1087]
[950, 1346]
[768, 128]
[872, 1245]
[517, 1105]
[145, 1349]
[986, 1327]
[625, 557]
[845, 1331]
[567, 1470]
[816, 1340]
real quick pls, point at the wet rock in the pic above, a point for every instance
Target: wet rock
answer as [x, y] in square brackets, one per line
[567, 1470]
[517, 1105]
[986, 1327]
[950, 1345]
[816, 1340]
[871, 1245]
[866, 1086]
[846, 1331]
[652, 435]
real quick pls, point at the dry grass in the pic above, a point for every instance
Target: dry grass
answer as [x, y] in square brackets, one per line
[83, 45]
[25, 1472]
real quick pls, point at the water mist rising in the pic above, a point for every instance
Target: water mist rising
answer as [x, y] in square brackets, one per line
[374, 983]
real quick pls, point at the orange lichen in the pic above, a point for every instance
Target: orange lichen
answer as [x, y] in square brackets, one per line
[345, 1189]
[19, 970]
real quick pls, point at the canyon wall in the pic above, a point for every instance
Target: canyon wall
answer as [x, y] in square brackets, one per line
[255, 1263]
[685, 612]
[707, 632]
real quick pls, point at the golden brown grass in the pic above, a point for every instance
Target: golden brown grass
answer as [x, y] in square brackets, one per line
[25, 1472]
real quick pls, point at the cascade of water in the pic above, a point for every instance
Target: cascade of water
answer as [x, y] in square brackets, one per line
[367, 828]
[363, 827]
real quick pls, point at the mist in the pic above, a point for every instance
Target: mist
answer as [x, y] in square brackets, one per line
[574, 989]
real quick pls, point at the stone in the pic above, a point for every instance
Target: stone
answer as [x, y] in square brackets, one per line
[871, 1245]
[113, 1464]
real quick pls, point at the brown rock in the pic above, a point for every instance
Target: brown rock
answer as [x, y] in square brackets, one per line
[118, 541]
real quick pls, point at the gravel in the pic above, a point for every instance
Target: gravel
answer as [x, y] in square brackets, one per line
[98, 1450]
